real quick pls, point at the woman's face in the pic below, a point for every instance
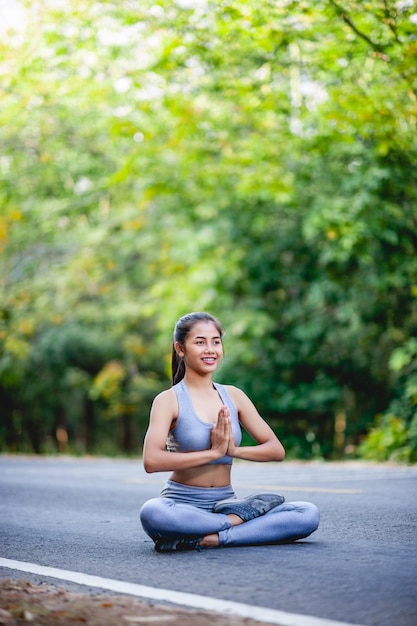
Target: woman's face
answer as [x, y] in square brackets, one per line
[203, 348]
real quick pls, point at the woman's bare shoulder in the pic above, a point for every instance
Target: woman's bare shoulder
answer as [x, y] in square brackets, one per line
[165, 397]
[165, 403]
[234, 392]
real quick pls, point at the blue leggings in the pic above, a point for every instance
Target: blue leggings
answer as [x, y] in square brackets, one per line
[183, 511]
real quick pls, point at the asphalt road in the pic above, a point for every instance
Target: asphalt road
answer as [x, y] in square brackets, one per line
[360, 567]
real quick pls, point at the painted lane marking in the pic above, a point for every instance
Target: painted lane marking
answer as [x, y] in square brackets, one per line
[145, 481]
[188, 600]
[297, 488]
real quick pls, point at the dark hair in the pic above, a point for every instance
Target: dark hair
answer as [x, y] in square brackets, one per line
[182, 329]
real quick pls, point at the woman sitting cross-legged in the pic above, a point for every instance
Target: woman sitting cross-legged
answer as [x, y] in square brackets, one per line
[195, 432]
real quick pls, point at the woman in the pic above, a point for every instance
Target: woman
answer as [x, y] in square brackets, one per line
[194, 431]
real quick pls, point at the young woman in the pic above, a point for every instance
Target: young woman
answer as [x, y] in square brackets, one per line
[194, 431]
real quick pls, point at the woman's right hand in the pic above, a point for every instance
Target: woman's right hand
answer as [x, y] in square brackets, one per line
[220, 433]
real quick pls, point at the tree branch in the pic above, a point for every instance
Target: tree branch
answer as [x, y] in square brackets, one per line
[348, 20]
[389, 21]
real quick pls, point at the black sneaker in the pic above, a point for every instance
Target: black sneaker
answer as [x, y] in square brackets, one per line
[253, 506]
[177, 545]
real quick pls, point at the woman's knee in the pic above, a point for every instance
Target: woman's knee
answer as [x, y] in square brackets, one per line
[306, 519]
[314, 516]
[154, 517]
[310, 515]
[152, 511]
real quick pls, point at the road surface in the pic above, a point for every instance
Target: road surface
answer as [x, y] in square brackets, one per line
[360, 567]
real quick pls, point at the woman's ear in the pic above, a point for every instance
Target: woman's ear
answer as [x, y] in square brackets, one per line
[178, 349]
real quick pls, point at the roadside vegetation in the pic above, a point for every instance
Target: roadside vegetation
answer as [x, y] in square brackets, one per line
[255, 159]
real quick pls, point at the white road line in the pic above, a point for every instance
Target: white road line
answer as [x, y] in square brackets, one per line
[174, 597]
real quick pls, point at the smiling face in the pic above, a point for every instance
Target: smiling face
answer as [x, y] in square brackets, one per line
[203, 348]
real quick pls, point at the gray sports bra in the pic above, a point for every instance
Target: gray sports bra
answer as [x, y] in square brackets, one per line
[192, 433]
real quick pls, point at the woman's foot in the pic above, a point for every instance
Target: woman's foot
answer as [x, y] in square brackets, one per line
[210, 541]
[250, 507]
[176, 545]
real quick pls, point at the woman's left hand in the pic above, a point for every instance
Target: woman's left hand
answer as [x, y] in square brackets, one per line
[231, 445]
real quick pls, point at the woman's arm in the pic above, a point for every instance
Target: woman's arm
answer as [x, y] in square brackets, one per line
[269, 447]
[155, 456]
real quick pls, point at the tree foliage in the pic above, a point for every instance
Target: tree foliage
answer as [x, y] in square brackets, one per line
[254, 159]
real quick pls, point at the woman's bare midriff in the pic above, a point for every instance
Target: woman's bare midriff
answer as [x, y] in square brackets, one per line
[204, 476]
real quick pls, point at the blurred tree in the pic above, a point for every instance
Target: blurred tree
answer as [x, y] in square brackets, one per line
[256, 159]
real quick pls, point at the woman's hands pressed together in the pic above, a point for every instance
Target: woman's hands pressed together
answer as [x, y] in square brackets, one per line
[221, 434]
